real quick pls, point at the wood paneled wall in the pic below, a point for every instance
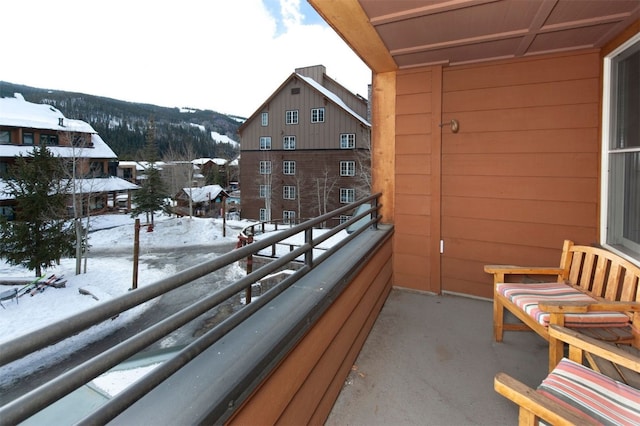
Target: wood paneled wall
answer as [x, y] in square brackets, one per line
[303, 389]
[520, 176]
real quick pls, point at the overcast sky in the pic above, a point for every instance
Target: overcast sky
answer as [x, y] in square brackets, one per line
[223, 55]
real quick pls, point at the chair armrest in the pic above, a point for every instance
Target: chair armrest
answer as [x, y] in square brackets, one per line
[522, 270]
[535, 402]
[569, 307]
[607, 351]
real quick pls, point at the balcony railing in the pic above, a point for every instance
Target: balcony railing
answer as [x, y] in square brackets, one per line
[21, 408]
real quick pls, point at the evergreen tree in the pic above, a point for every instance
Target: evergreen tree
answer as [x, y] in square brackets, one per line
[39, 236]
[152, 195]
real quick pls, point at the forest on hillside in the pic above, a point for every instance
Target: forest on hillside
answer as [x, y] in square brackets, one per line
[122, 125]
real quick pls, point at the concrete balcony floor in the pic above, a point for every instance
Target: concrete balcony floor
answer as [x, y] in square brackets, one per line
[430, 360]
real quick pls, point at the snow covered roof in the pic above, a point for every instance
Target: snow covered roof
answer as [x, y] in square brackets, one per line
[17, 112]
[205, 193]
[107, 184]
[333, 97]
[218, 161]
[93, 185]
[99, 150]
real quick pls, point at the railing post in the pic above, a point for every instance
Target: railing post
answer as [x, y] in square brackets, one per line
[375, 213]
[308, 254]
[247, 291]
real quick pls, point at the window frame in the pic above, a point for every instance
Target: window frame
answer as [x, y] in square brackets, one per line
[264, 191]
[347, 195]
[347, 168]
[265, 167]
[288, 167]
[289, 143]
[289, 192]
[613, 204]
[317, 115]
[291, 117]
[6, 133]
[349, 138]
[264, 119]
[288, 216]
[265, 143]
[24, 138]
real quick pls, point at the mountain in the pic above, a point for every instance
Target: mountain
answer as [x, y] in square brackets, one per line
[183, 133]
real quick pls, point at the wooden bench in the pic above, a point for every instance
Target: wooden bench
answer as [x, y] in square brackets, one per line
[592, 289]
[574, 394]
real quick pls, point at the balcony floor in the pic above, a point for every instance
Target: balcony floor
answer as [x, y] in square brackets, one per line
[417, 369]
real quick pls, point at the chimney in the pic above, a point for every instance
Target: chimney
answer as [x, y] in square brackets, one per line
[315, 72]
[61, 121]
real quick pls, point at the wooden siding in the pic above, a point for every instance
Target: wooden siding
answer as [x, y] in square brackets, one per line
[523, 170]
[521, 175]
[303, 389]
[310, 164]
[308, 135]
[414, 181]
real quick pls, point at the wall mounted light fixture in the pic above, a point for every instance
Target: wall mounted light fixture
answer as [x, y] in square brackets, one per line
[455, 125]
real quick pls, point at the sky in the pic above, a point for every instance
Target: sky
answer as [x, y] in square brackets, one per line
[227, 56]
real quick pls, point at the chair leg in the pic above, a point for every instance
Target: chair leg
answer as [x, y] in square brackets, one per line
[498, 319]
[556, 352]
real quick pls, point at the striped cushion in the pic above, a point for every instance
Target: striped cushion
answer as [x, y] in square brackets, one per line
[527, 297]
[592, 394]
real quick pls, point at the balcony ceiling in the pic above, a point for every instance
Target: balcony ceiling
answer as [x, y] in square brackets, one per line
[401, 34]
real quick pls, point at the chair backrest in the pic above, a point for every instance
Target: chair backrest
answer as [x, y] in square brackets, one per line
[601, 273]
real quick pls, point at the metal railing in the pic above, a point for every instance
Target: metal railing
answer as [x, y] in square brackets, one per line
[27, 405]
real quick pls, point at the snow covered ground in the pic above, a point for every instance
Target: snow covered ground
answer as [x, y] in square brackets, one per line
[109, 274]
[106, 277]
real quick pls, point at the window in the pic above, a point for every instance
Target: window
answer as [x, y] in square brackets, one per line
[289, 192]
[27, 138]
[265, 167]
[5, 137]
[265, 119]
[344, 218]
[347, 168]
[347, 141]
[291, 117]
[288, 216]
[317, 115]
[289, 142]
[265, 143]
[49, 140]
[620, 227]
[96, 168]
[347, 195]
[289, 167]
[265, 215]
[295, 91]
[265, 191]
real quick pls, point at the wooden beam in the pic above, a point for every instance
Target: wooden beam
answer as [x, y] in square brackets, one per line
[383, 141]
[352, 24]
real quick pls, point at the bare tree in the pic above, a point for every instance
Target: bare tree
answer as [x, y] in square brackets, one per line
[78, 170]
[178, 172]
[325, 185]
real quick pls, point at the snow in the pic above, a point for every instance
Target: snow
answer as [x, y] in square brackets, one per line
[223, 139]
[107, 277]
[16, 112]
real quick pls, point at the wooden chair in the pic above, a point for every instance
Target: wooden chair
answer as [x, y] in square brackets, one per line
[575, 394]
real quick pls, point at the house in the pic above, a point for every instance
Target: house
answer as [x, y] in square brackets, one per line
[206, 201]
[25, 124]
[304, 150]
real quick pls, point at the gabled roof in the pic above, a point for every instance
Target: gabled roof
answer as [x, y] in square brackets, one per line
[314, 85]
[205, 193]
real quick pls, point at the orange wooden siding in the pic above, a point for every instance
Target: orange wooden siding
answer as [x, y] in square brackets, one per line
[304, 387]
[521, 175]
[413, 188]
